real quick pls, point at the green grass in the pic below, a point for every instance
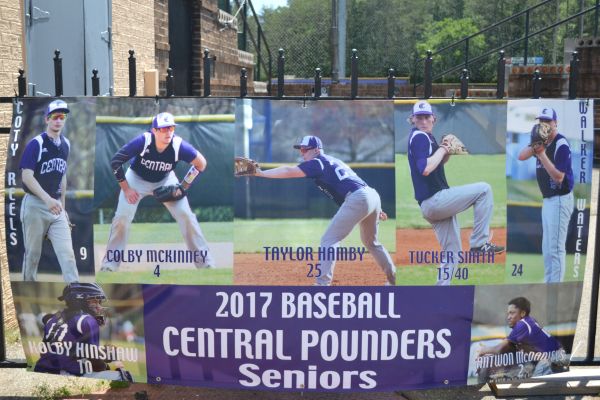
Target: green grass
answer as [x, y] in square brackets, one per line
[166, 232]
[478, 274]
[529, 191]
[218, 276]
[460, 170]
[533, 268]
[252, 235]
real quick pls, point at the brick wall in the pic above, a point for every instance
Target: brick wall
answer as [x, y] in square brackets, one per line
[133, 28]
[161, 42]
[221, 41]
[11, 48]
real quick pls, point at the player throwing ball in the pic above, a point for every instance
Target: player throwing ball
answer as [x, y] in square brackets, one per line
[359, 204]
[44, 176]
[554, 175]
[154, 156]
[438, 201]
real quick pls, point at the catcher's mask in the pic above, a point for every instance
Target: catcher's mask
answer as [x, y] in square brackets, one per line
[77, 296]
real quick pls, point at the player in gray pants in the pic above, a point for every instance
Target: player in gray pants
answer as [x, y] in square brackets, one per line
[554, 174]
[44, 176]
[439, 202]
[154, 156]
[359, 205]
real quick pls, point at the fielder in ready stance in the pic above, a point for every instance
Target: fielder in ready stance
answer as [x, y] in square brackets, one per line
[555, 179]
[528, 336]
[79, 322]
[44, 176]
[154, 156]
[359, 204]
[439, 202]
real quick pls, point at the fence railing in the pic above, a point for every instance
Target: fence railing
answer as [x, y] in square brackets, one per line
[317, 88]
[464, 43]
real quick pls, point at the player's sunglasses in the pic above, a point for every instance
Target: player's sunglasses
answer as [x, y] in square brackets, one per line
[166, 129]
[56, 116]
[305, 149]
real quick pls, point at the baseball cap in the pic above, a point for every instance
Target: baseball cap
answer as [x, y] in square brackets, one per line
[57, 105]
[547, 113]
[163, 120]
[422, 107]
[310, 141]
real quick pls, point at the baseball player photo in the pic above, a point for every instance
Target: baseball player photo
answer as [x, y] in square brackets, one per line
[145, 167]
[545, 172]
[527, 336]
[300, 213]
[461, 256]
[78, 335]
[50, 185]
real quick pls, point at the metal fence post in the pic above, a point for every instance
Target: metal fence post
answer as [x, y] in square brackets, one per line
[95, 83]
[573, 75]
[170, 85]
[354, 75]
[464, 83]
[501, 75]
[537, 84]
[243, 82]
[526, 43]
[206, 73]
[427, 83]
[317, 83]
[280, 72]
[22, 83]
[58, 78]
[391, 83]
[132, 74]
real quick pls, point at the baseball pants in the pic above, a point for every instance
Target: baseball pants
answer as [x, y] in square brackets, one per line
[556, 214]
[360, 207]
[180, 210]
[37, 221]
[440, 211]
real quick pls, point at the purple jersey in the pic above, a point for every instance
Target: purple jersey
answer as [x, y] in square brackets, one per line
[48, 160]
[528, 335]
[61, 328]
[559, 153]
[332, 176]
[147, 162]
[421, 146]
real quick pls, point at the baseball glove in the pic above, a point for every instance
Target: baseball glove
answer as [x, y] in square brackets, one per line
[245, 167]
[169, 193]
[539, 134]
[453, 145]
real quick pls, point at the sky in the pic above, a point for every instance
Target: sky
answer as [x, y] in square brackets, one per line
[258, 4]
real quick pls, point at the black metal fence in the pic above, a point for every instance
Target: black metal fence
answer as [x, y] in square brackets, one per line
[317, 85]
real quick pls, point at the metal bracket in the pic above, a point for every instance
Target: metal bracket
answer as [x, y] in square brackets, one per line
[106, 36]
[37, 14]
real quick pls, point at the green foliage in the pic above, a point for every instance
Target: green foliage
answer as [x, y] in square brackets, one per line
[441, 33]
[390, 33]
[45, 392]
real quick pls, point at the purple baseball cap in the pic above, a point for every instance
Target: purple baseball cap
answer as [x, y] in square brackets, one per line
[422, 107]
[163, 120]
[547, 114]
[310, 141]
[57, 105]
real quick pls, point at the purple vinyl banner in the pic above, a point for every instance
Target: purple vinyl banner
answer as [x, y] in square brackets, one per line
[304, 338]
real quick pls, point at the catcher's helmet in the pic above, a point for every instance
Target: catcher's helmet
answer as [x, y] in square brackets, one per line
[76, 295]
